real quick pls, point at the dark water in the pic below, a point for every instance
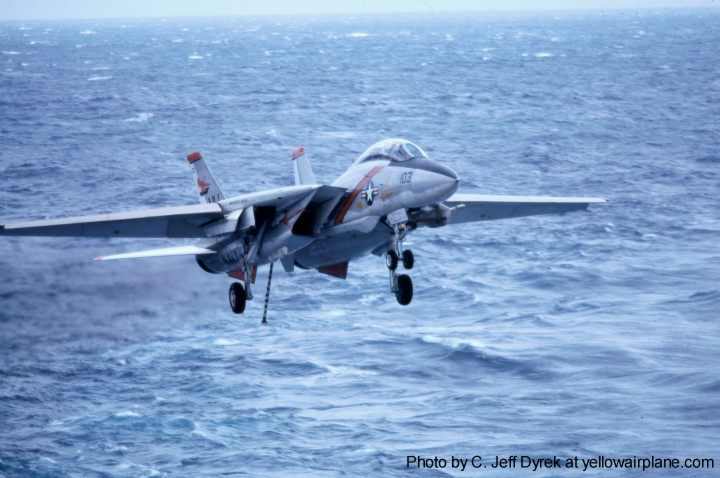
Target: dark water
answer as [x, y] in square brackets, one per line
[584, 335]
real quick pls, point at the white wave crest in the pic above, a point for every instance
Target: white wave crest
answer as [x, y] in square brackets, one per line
[223, 342]
[127, 413]
[140, 118]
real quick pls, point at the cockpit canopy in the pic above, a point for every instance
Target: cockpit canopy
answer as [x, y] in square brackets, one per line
[394, 149]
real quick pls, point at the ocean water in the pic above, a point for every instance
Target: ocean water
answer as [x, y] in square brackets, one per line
[581, 335]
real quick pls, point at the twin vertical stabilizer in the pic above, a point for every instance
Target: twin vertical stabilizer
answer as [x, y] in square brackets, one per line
[208, 188]
[303, 169]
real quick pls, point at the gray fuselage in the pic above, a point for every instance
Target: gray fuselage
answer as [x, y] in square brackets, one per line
[375, 188]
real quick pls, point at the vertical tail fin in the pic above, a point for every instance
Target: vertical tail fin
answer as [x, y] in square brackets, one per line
[207, 186]
[303, 169]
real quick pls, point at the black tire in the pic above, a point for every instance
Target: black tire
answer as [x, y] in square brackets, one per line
[391, 259]
[404, 292]
[408, 259]
[237, 297]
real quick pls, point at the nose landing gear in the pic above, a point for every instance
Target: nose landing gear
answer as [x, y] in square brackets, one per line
[391, 260]
[400, 284]
[408, 259]
[403, 289]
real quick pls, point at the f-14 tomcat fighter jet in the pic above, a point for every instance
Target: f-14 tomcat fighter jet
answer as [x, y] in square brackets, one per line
[390, 190]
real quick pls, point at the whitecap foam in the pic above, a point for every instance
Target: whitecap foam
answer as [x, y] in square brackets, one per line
[333, 312]
[358, 34]
[140, 118]
[453, 343]
[543, 54]
[99, 78]
[88, 32]
[127, 414]
[195, 56]
[10, 52]
[223, 342]
[340, 370]
[338, 134]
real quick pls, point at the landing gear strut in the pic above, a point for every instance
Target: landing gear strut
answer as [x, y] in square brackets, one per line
[400, 284]
[391, 259]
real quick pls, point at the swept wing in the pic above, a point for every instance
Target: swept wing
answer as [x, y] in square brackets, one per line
[178, 221]
[479, 207]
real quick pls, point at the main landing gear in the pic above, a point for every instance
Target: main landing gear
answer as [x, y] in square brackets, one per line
[400, 284]
[241, 292]
[239, 296]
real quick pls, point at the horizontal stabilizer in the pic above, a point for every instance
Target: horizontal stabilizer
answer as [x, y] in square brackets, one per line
[167, 251]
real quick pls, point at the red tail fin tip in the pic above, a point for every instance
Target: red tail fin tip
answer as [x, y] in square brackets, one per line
[298, 152]
[194, 156]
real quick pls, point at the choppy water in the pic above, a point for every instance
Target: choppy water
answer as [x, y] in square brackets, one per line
[586, 334]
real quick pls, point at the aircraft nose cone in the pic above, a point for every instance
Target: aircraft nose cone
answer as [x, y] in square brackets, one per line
[446, 171]
[449, 181]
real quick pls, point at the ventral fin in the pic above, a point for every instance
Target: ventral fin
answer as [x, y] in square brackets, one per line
[338, 270]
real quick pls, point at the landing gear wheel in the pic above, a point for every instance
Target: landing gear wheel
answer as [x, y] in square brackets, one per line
[237, 297]
[408, 259]
[404, 289]
[391, 259]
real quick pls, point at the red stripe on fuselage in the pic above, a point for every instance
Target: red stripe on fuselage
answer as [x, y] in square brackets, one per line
[345, 206]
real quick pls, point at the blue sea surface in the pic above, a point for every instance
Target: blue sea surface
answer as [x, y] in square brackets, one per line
[587, 334]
